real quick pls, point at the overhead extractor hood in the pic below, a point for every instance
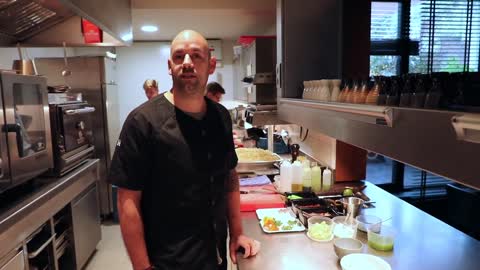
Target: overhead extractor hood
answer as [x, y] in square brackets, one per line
[50, 22]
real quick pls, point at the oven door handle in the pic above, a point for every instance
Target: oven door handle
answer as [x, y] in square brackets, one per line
[80, 111]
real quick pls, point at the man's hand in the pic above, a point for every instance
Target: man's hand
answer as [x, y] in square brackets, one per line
[250, 246]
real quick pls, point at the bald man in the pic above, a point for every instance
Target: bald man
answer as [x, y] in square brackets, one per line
[174, 165]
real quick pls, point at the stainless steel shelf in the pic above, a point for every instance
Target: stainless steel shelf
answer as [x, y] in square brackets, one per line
[364, 113]
[442, 142]
[467, 127]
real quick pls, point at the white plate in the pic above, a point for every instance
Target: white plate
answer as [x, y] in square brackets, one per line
[277, 213]
[284, 215]
[358, 261]
[318, 240]
[298, 227]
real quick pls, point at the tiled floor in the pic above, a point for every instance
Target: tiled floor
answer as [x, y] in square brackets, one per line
[111, 253]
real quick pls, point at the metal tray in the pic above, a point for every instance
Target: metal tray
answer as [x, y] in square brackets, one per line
[252, 166]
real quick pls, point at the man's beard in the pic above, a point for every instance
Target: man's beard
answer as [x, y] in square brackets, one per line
[189, 87]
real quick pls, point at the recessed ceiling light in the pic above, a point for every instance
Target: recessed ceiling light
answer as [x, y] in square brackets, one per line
[149, 28]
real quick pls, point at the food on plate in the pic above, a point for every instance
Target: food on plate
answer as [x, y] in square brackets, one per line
[254, 154]
[271, 224]
[320, 231]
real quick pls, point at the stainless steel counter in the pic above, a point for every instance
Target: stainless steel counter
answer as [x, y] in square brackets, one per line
[422, 242]
[20, 218]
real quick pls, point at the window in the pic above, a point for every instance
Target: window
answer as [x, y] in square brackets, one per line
[420, 36]
[379, 169]
[423, 36]
[385, 65]
[384, 34]
[448, 32]
[385, 21]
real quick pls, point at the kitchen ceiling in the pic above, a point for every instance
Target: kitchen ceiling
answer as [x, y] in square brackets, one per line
[224, 19]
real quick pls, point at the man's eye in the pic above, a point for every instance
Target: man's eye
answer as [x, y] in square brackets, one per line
[178, 56]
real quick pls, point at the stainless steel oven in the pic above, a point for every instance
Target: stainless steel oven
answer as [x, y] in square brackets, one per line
[72, 134]
[25, 139]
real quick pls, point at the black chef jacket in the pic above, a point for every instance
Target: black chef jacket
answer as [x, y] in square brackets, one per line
[181, 165]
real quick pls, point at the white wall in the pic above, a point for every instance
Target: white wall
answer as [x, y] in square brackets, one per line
[134, 65]
[148, 60]
[7, 55]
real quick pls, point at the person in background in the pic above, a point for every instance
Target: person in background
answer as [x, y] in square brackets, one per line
[151, 88]
[215, 91]
[174, 166]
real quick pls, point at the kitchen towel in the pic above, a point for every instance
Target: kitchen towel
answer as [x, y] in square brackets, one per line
[254, 181]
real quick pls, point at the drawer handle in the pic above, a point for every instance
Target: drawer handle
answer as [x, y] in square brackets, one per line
[35, 253]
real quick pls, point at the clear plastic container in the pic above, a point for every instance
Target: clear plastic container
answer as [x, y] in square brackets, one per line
[365, 221]
[344, 229]
[297, 176]
[286, 176]
[382, 240]
[320, 228]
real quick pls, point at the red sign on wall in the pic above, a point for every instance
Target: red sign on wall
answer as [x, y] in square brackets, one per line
[91, 32]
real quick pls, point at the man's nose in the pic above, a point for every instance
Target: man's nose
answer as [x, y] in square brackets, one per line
[187, 61]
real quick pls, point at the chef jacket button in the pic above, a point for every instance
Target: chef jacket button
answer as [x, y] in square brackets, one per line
[213, 202]
[209, 156]
[212, 179]
[204, 133]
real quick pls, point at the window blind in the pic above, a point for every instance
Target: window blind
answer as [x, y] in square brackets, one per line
[385, 21]
[449, 35]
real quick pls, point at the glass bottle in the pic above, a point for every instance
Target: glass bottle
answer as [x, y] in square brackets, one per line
[361, 95]
[335, 90]
[343, 93]
[432, 99]
[393, 96]
[419, 92]
[384, 88]
[407, 90]
[372, 96]
[353, 91]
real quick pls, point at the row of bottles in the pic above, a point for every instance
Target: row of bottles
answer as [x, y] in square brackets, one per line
[322, 90]
[441, 90]
[301, 176]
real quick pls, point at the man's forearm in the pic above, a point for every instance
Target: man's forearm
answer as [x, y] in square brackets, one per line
[233, 199]
[131, 225]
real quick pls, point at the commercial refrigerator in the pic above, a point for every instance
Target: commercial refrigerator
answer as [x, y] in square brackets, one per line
[95, 78]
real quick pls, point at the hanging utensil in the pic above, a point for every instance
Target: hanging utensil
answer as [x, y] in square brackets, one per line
[65, 72]
[23, 66]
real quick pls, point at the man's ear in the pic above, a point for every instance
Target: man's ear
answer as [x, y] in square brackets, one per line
[213, 65]
[169, 67]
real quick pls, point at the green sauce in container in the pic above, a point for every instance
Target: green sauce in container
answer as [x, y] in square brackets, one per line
[387, 246]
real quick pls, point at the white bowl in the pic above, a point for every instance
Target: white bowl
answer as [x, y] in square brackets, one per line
[358, 261]
[345, 246]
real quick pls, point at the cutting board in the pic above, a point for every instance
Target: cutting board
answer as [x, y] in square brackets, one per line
[253, 201]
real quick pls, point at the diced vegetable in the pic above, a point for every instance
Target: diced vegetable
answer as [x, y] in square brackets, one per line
[320, 231]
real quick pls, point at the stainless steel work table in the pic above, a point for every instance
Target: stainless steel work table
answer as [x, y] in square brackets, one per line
[23, 216]
[422, 242]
